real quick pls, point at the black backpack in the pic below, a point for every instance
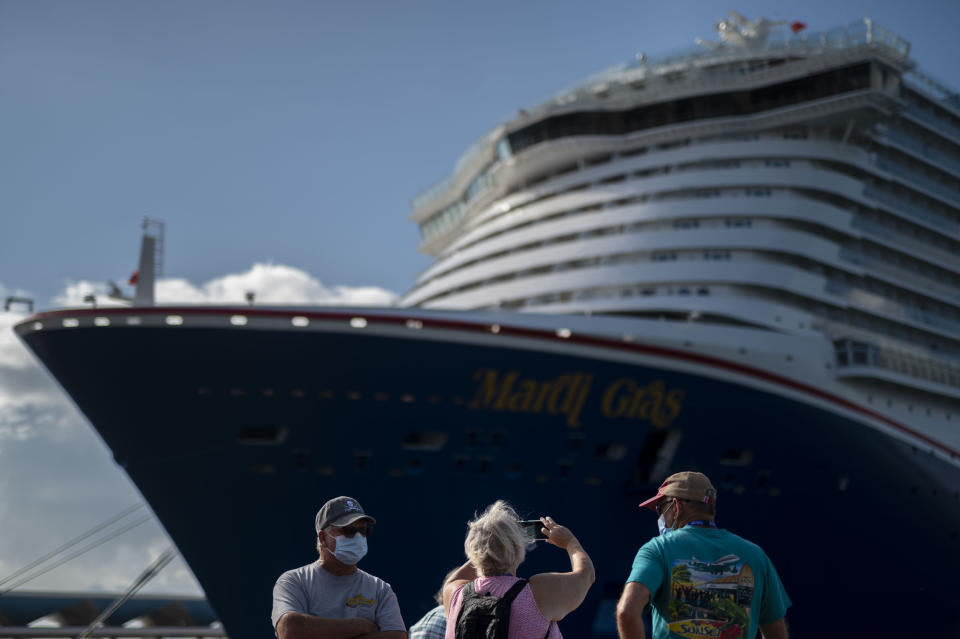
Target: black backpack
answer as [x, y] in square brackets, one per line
[486, 616]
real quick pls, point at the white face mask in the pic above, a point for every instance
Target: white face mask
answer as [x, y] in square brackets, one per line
[662, 523]
[350, 550]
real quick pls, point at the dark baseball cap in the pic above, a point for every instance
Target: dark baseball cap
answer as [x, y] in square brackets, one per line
[341, 511]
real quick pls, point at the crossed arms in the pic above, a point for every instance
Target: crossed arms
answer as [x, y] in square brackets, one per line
[298, 625]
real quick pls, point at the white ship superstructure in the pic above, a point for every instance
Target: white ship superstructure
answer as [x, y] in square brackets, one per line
[804, 185]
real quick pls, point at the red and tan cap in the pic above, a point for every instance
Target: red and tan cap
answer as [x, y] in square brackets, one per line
[686, 485]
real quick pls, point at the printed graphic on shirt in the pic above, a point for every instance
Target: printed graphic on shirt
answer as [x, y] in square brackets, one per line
[710, 598]
[359, 600]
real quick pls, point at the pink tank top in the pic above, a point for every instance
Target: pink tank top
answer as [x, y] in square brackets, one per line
[526, 622]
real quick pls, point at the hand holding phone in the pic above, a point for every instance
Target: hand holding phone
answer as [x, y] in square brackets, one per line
[533, 529]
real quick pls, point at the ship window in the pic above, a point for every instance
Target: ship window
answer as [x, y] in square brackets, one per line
[263, 436]
[460, 463]
[736, 457]
[425, 441]
[611, 452]
[71, 322]
[133, 321]
[238, 320]
[361, 459]
[174, 320]
[301, 457]
[358, 322]
[414, 467]
[727, 104]
[763, 479]
[299, 320]
[575, 441]
[101, 321]
[656, 455]
[473, 437]
[663, 257]
[262, 469]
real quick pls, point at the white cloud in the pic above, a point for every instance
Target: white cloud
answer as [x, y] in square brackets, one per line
[57, 478]
[270, 283]
[76, 294]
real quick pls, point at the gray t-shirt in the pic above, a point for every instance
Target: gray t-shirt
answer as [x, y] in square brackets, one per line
[314, 591]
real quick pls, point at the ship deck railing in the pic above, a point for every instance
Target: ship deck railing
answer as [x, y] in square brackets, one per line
[855, 353]
[918, 148]
[898, 204]
[858, 34]
[71, 632]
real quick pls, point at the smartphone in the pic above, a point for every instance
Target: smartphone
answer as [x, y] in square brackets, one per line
[532, 529]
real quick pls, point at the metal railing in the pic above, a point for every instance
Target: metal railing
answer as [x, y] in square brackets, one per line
[854, 353]
[913, 177]
[899, 204]
[919, 147]
[861, 33]
[71, 632]
[900, 275]
[945, 257]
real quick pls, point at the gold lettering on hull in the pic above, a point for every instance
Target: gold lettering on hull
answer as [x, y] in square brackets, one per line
[567, 394]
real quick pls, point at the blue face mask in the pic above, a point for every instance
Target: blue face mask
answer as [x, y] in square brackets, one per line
[350, 550]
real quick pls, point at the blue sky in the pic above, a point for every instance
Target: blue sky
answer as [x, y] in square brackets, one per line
[284, 132]
[298, 132]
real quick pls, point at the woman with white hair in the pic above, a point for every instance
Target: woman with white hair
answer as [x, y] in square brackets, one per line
[495, 547]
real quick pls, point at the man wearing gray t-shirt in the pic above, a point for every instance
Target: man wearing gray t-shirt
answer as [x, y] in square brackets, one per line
[332, 598]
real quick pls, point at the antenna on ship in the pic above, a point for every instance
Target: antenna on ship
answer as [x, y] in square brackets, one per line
[151, 262]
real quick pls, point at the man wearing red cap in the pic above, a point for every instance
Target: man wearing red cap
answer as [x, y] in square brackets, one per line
[703, 581]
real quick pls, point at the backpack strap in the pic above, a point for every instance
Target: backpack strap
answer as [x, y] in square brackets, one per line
[503, 606]
[515, 589]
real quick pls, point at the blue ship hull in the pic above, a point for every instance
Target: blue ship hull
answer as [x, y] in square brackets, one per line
[236, 436]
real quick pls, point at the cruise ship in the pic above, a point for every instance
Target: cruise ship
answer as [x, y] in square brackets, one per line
[741, 258]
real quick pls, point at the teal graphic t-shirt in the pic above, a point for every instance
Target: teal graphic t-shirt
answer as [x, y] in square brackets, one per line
[708, 582]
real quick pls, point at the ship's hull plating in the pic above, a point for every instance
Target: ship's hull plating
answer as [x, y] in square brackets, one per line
[235, 437]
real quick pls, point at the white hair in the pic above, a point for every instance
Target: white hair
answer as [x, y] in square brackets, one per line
[495, 543]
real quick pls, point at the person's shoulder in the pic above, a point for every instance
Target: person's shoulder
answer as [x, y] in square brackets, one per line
[746, 543]
[366, 576]
[299, 574]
